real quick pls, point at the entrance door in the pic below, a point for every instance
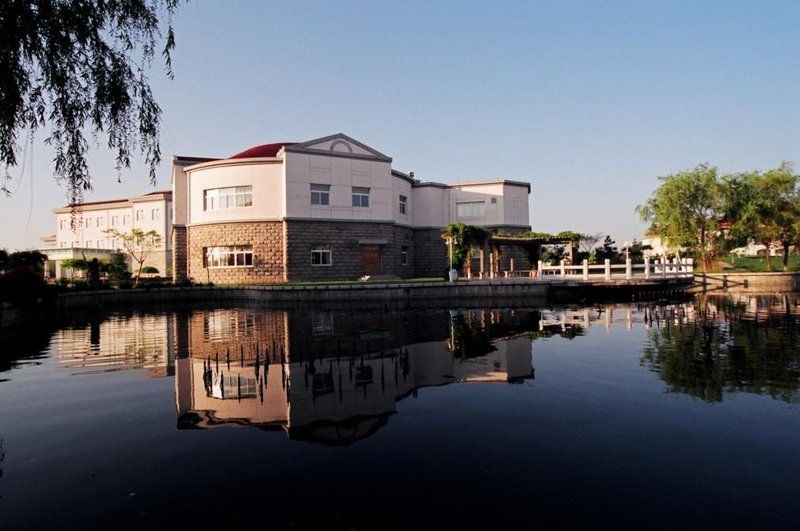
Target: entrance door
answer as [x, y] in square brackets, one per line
[371, 260]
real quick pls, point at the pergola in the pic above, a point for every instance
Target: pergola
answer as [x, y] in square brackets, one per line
[532, 245]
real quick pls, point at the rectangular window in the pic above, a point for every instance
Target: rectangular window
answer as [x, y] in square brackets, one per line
[321, 257]
[233, 256]
[360, 197]
[126, 219]
[471, 209]
[100, 221]
[404, 256]
[224, 198]
[62, 224]
[88, 244]
[320, 194]
[139, 215]
[88, 222]
[403, 202]
[114, 221]
[155, 214]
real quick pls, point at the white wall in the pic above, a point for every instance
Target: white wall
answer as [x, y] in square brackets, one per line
[265, 177]
[342, 174]
[431, 206]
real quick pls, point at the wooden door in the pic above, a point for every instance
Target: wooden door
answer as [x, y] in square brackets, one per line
[371, 260]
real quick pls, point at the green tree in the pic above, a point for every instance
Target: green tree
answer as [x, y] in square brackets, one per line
[32, 261]
[137, 243]
[767, 208]
[686, 211]
[82, 67]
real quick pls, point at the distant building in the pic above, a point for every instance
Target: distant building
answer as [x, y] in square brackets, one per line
[329, 208]
[80, 232]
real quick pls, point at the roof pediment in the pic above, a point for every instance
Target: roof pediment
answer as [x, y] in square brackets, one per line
[338, 145]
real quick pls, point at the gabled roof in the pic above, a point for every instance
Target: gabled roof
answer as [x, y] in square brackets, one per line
[338, 145]
[262, 151]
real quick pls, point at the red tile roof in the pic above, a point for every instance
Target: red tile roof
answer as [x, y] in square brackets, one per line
[265, 150]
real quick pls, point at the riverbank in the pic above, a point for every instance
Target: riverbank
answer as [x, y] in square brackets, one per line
[748, 282]
[513, 292]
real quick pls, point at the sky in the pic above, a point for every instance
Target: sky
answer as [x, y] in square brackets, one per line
[589, 101]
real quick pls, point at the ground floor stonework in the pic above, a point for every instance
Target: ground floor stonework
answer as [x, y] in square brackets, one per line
[293, 250]
[296, 250]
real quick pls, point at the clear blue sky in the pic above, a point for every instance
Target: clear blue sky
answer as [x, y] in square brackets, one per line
[588, 101]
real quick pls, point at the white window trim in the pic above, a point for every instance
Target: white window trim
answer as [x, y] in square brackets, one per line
[322, 194]
[228, 198]
[360, 196]
[214, 256]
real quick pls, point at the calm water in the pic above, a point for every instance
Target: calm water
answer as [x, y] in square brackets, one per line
[657, 416]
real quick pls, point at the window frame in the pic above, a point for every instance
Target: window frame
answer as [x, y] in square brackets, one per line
[470, 209]
[228, 256]
[227, 198]
[360, 195]
[320, 254]
[320, 194]
[403, 204]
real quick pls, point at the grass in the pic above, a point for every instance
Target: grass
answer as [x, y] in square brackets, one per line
[755, 264]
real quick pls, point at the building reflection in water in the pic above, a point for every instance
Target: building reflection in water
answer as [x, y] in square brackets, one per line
[336, 377]
[119, 341]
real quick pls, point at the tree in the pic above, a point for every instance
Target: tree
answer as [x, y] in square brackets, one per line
[767, 207]
[587, 242]
[139, 244]
[686, 211]
[73, 65]
[32, 261]
[607, 251]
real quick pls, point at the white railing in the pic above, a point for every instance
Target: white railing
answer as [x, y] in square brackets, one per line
[676, 268]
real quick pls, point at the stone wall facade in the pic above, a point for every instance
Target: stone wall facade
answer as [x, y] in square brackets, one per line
[179, 254]
[430, 259]
[346, 241]
[266, 239]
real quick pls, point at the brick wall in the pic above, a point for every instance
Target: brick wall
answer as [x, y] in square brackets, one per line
[266, 239]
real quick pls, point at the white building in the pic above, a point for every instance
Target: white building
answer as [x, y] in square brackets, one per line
[329, 208]
[81, 232]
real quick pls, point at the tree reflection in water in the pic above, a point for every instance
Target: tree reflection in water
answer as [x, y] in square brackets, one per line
[724, 345]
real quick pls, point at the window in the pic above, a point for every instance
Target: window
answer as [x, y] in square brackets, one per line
[126, 219]
[403, 203]
[234, 256]
[62, 224]
[404, 255]
[230, 387]
[139, 215]
[320, 257]
[100, 221]
[360, 197]
[472, 209]
[64, 244]
[88, 222]
[114, 221]
[88, 244]
[322, 323]
[101, 244]
[155, 214]
[233, 197]
[320, 194]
